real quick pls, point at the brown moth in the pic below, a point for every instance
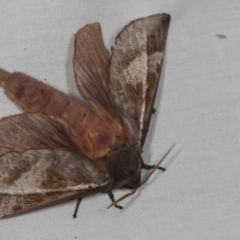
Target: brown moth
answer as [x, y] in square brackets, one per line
[61, 148]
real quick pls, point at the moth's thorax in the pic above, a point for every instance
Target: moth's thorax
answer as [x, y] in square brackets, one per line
[124, 165]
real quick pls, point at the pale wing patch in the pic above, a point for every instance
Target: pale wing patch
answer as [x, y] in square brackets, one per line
[137, 69]
[17, 191]
[137, 73]
[154, 60]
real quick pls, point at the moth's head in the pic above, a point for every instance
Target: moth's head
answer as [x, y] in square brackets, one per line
[124, 165]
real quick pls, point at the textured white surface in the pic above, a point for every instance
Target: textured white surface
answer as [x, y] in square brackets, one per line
[198, 108]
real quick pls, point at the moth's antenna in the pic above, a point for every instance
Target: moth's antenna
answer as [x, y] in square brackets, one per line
[144, 181]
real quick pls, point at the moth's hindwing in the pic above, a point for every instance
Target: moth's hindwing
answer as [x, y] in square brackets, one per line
[91, 67]
[36, 130]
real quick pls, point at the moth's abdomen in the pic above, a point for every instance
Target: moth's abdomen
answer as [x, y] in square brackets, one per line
[35, 96]
[99, 132]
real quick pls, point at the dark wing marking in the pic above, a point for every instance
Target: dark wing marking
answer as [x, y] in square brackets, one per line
[91, 67]
[37, 130]
[37, 178]
[135, 70]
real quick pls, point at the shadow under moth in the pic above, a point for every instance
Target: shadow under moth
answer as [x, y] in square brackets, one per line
[62, 148]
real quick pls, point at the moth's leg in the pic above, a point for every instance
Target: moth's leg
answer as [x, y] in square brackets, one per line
[76, 208]
[145, 166]
[110, 194]
[153, 110]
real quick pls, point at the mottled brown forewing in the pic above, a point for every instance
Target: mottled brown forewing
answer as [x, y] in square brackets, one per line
[37, 178]
[135, 71]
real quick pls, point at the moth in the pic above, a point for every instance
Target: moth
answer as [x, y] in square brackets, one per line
[62, 148]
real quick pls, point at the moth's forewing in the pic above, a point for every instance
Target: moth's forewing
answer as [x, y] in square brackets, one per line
[37, 178]
[135, 70]
[134, 75]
